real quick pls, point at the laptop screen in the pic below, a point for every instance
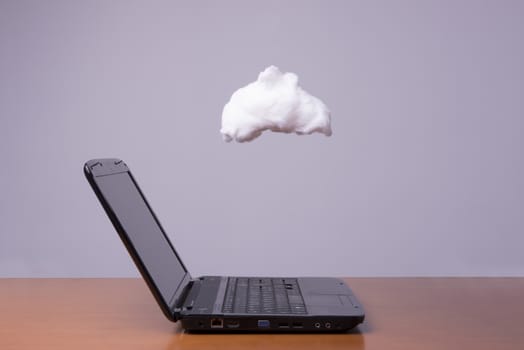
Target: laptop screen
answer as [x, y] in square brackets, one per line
[144, 232]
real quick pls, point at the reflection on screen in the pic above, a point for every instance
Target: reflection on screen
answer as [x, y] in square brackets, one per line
[158, 257]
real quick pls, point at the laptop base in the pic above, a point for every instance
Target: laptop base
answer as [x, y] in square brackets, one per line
[270, 324]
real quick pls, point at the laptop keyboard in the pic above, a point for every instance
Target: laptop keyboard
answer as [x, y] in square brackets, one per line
[263, 296]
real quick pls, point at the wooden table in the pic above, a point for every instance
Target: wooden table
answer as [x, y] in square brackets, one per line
[402, 313]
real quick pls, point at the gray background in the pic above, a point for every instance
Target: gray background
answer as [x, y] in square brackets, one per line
[424, 174]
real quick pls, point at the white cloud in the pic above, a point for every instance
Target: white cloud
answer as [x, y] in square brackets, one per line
[274, 102]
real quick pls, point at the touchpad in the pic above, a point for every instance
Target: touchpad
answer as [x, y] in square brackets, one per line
[325, 299]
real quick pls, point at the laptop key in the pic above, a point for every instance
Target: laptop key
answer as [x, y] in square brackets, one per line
[263, 295]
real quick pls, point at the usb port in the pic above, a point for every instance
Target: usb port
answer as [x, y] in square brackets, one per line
[263, 323]
[283, 325]
[297, 325]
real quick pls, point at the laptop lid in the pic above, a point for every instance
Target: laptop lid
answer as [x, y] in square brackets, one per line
[140, 230]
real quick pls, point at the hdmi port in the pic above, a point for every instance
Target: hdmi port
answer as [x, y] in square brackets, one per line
[297, 325]
[233, 324]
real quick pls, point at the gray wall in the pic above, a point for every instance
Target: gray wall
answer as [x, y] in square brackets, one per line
[424, 174]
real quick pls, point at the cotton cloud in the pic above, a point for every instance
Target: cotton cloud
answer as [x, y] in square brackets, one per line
[274, 102]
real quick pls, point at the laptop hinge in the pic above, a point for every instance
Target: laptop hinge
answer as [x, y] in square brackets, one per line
[179, 304]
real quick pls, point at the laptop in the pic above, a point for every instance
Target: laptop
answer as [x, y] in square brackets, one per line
[215, 303]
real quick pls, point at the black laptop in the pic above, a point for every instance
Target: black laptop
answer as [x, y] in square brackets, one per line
[215, 303]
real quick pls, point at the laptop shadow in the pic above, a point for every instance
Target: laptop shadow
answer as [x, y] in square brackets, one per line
[353, 339]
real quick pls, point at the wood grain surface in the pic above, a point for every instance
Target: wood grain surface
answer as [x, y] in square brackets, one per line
[401, 313]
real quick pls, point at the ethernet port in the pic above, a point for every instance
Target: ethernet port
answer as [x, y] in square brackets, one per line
[217, 323]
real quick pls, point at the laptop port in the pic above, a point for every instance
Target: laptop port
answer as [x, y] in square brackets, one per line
[283, 325]
[232, 324]
[327, 325]
[297, 325]
[217, 323]
[317, 325]
[263, 324]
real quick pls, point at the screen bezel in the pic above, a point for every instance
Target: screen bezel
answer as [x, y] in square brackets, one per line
[106, 167]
